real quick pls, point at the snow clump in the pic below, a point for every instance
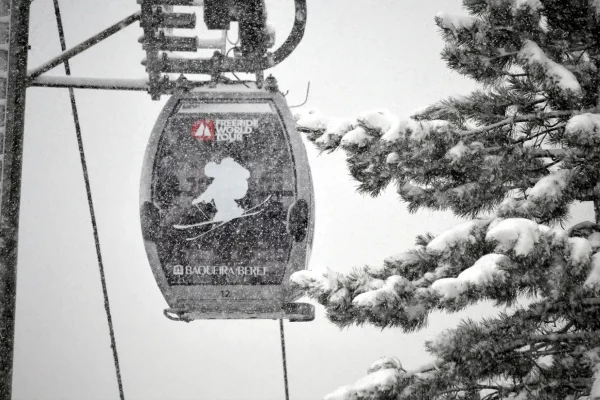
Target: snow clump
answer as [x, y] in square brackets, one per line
[534, 5]
[511, 207]
[583, 122]
[315, 281]
[311, 120]
[340, 296]
[594, 240]
[392, 158]
[380, 120]
[460, 232]
[386, 363]
[356, 137]
[483, 273]
[334, 130]
[454, 22]
[342, 393]
[558, 236]
[415, 130]
[517, 234]
[533, 55]
[458, 151]
[423, 129]
[485, 270]
[583, 129]
[393, 285]
[580, 250]
[593, 279]
[448, 288]
[550, 188]
[375, 385]
[593, 356]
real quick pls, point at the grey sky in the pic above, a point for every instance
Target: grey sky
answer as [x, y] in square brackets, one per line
[358, 55]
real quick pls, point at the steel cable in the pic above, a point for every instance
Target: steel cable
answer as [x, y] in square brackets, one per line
[283, 359]
[88, 190]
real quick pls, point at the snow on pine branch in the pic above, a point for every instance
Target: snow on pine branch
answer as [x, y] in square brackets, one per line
[583, 130]
[486, 271]
[385, 379]
[382, 383]
[456, 23]
[534, 5]
[315, 282]
[476, 260]
[474, 357]
[593, 279]
[392, 288]
[515, 234]
[461, 232]
[435, 164]
[366, 127]
[593, 358]
[453, 22]
[532, 55]
[549, 189]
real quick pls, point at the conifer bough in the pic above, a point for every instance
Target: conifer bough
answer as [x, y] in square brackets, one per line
[511, 158]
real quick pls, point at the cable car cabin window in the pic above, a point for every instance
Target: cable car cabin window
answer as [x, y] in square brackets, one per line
[224, 180]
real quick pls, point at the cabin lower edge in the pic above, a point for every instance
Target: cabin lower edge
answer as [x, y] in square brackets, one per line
[294, 312]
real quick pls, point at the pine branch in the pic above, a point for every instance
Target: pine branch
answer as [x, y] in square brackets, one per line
[437, 161]
[510, 54]
[535, 152]
[545, 131]
[552, 153]
[307, 130]
[553, 337]
[427, 367]
[517, 75]
[591, 301]
[474, 387]
[541, 116]
[578, 48]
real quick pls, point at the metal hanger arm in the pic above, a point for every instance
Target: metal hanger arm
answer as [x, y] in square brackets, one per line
[68, 54]
[90, 83]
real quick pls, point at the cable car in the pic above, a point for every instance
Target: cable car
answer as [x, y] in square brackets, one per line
[226, 203]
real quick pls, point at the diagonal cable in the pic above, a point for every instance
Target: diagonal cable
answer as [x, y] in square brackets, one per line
[88, 190]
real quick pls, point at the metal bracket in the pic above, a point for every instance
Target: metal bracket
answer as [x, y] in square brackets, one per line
[158, 62]
[240, 64]
[86, 44]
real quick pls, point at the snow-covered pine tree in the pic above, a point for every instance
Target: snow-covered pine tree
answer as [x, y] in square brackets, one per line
[511, 158]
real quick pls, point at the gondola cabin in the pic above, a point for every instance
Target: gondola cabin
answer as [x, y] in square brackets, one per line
[227, 205]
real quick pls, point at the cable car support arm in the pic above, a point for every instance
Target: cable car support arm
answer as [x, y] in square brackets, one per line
[161, 63]
[86, 44]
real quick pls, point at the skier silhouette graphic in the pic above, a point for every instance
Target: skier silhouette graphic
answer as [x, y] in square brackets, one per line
[230, 184]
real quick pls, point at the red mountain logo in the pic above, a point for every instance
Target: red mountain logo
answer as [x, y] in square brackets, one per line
[204, 130]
